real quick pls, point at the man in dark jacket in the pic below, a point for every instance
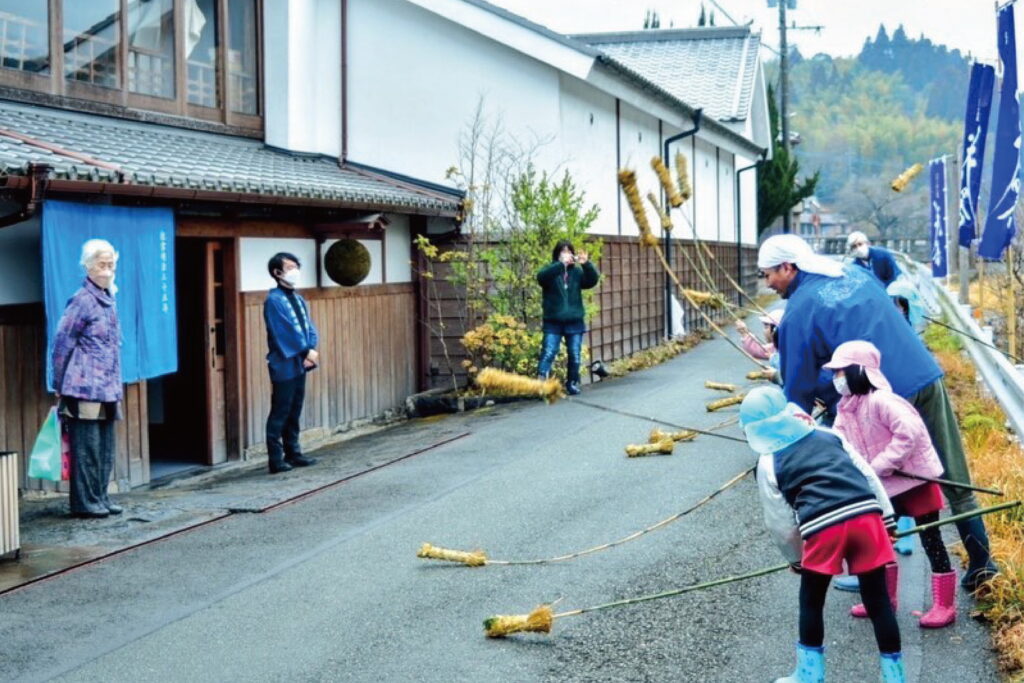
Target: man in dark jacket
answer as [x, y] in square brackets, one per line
[563, 281]
[292, 339]
[828, 304]
[872, 259]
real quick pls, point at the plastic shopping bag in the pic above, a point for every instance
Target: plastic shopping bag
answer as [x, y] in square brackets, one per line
[45, 460]
[65, 453]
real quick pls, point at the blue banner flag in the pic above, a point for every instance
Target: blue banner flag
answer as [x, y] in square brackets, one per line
[144, 240]
[937, 169]
[1000, 224]
[979, 105]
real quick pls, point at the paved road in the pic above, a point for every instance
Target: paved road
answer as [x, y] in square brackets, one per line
[328, 588]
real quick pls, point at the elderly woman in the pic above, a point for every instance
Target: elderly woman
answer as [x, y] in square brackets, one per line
[87, 379]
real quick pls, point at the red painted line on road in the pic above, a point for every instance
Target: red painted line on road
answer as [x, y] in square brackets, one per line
[221, 517]
[325, 487]
[113, 553]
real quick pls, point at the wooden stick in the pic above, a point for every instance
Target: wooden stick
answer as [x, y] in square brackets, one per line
[947, 482]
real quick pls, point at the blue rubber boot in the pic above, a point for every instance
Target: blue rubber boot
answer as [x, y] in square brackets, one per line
[892, 668]
[904, 546]
[850, 584]
[810, 666]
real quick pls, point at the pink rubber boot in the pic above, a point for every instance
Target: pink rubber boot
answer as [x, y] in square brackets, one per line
[892, 576]
[943, 611]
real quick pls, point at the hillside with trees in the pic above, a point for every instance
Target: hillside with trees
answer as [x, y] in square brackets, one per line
[863, 120]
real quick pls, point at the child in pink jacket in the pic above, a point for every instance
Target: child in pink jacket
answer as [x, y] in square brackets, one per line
[888, 431]
[752, 345]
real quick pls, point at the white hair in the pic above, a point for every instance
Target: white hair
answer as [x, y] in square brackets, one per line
[93, 248]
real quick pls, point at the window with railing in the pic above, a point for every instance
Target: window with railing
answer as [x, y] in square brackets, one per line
[194, 58]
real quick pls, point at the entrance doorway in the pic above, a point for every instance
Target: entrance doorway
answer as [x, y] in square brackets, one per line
[187, 409]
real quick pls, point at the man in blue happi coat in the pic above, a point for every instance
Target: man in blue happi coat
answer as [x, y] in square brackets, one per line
[292, 338]
[828, 304]
[875, 260]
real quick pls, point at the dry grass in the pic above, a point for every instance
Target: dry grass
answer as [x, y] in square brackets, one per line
[656, 355]
[996, 461]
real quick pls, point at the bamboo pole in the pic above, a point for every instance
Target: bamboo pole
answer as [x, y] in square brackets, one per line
[946, 482]
[1011, 316]
[541, 619]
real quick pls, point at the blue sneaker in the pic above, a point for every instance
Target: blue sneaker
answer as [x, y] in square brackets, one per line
[850, 584]
[904, 546]
[892, 668]
[810, 666]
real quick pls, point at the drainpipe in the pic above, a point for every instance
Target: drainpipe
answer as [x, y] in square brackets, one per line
[344, 82]
[668, 238]
[739, 221]
[39, 178]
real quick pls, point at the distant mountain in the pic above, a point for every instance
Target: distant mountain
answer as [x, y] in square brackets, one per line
[862, 120]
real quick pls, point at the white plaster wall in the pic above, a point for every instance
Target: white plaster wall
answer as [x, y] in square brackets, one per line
[376, 274]
[256, 251]
[587, 139]
[398, 240]
[21, 263]
[726, 197]
[415, 80]
[639, 140]
[302, 75]
[705, 185]
[748, 201]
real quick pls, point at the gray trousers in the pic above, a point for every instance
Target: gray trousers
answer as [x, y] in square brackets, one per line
[933, 404]
[92, 462]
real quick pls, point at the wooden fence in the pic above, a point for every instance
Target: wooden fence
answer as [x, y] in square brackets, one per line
[368, 356]
[630, 298]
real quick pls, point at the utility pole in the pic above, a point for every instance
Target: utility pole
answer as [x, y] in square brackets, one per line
[787, 217]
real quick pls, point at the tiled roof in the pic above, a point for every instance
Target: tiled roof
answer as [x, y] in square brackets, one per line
[95, 148]
[711, 68]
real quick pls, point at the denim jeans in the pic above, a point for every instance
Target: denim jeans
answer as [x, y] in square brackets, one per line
[549, 349]
[286, 399]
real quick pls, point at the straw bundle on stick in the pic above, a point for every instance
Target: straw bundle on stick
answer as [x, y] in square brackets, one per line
[666, 221]
[658, 435]
[475, 558]
[675, 199]
[511, 384]
[683, 172]
[720, 386]
[537, 621]
[724, 403]
[663, 447]
[627, 179]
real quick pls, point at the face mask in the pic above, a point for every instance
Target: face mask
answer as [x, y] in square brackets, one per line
[291, 276]
[567, 258]
[840, 384]
[861, 252]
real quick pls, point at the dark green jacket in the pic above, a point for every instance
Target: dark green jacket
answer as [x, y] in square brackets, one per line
[563, 297]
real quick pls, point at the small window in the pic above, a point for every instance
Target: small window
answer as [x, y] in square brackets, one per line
[243, 80]
[151, 47]
[201, 46]
[25, 35]
[91, 40]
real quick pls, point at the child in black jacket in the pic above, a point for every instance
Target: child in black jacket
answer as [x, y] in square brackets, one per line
[824, 506]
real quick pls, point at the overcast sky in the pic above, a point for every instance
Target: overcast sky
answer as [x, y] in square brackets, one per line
[968, 25]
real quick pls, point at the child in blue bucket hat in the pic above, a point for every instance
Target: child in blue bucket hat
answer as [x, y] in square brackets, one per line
[824, 506]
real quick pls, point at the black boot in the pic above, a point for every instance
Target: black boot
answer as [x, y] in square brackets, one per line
[980, 567]
[300, 461]
[278, 464]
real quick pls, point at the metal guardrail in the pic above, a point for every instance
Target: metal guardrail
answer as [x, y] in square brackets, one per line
[1003, 379]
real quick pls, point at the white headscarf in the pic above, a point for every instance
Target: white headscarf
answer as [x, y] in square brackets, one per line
[781, 249]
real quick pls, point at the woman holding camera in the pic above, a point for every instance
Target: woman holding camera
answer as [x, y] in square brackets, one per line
[563, 281]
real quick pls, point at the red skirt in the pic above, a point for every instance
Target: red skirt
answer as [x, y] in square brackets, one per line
[861, 541]
[918, 501]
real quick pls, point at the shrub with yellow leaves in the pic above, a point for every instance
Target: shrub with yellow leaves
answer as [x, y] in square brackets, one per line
[505, 343]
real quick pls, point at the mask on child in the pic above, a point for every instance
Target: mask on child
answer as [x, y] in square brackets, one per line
[840, 384]
[861, 252]
[291, 276]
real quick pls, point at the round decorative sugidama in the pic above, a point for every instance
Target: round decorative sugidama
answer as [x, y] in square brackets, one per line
[347, 262]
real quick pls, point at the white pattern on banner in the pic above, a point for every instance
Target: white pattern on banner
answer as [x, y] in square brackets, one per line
[164, 298]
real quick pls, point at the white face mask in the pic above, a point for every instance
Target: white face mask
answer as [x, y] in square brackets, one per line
[861, 252]
[840, 384]
[291, 276]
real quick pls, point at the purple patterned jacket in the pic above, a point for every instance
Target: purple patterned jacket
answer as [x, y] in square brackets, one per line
[87, 347]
